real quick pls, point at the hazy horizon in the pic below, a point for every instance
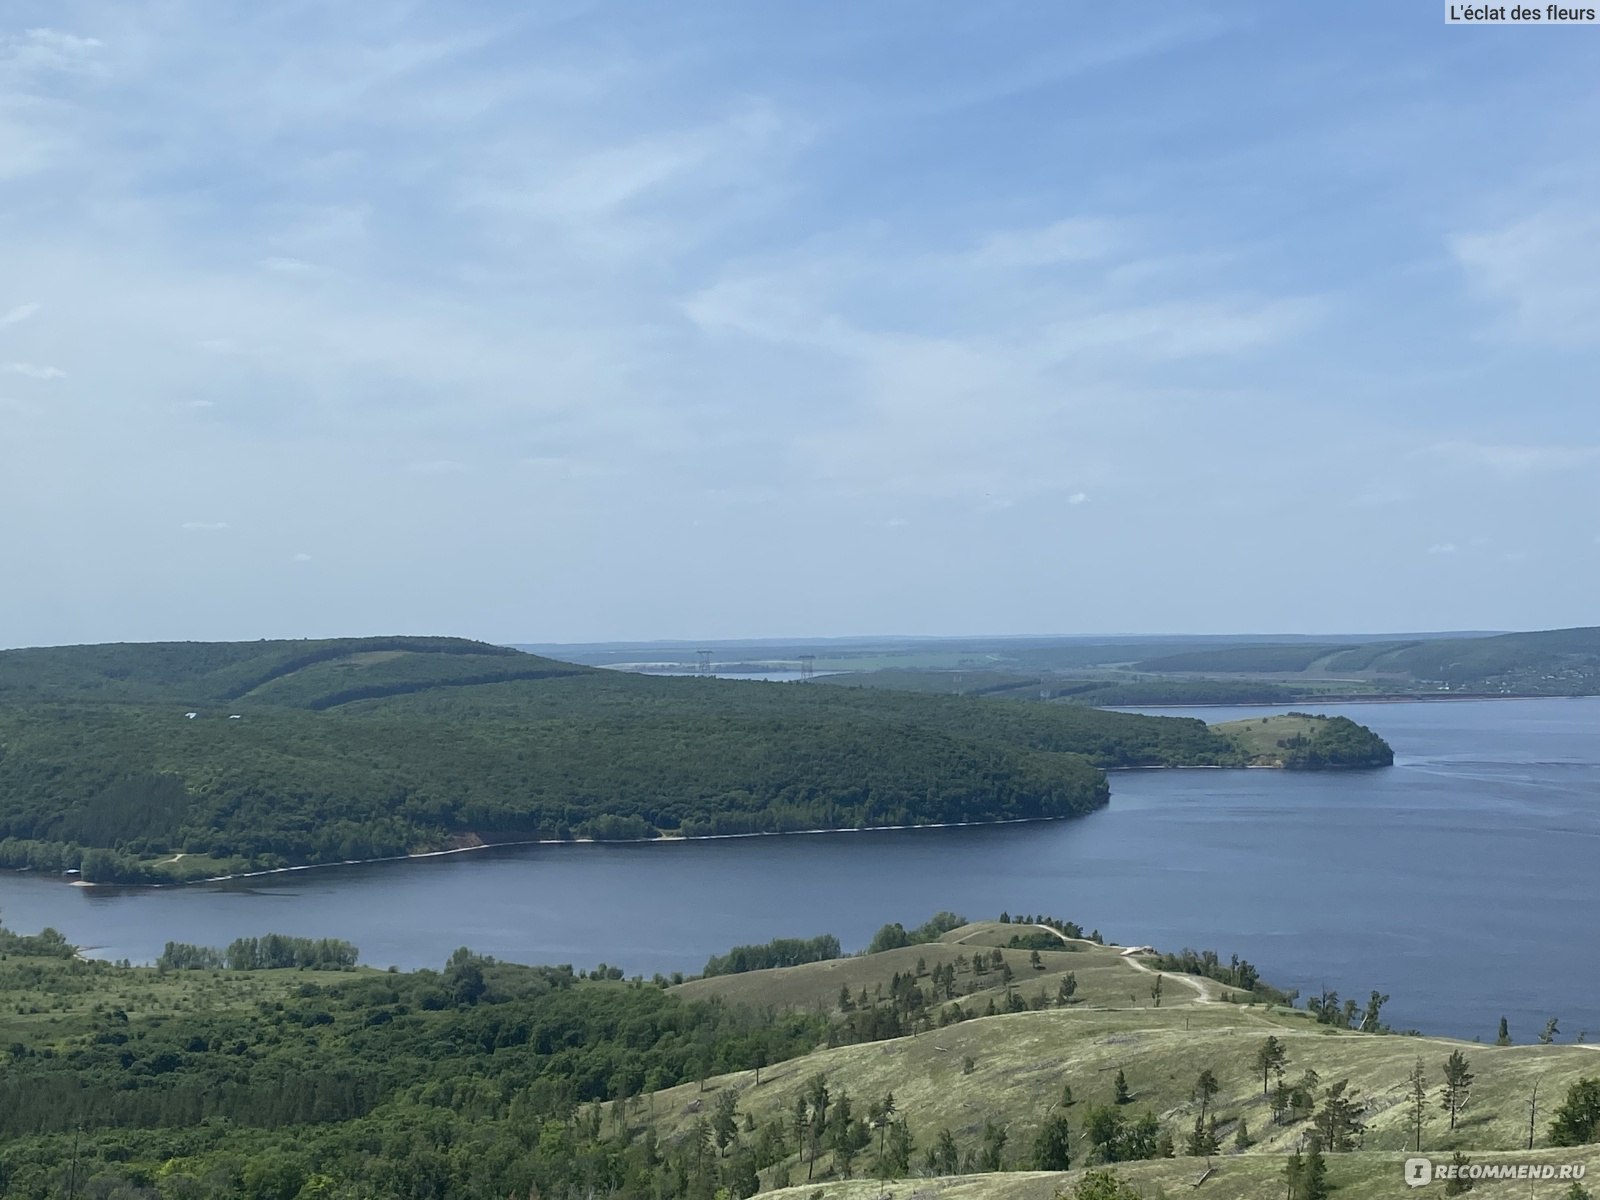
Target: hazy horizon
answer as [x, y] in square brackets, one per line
[849, 638]
[563, 324]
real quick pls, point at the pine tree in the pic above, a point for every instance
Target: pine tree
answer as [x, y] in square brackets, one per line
[1052, 1145]
[1457, 1085]
[1503, 1038]
[1123, 1096]
[1339, 1123]
[1206, 1087]
[1202, 1142]
[1419, 1100]
[899, 1150]
[1550, 1031]
[994, 1144]
[1458, 1182]
[1242, 1140]
[1271, 1056]
[1316, 1175]
[943, 1158]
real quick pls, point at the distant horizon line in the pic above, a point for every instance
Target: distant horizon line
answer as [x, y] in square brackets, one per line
[840, 639]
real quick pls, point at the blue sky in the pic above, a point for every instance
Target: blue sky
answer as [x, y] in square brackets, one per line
[576, 322]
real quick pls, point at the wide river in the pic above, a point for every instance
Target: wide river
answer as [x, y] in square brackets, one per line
[1463, 881]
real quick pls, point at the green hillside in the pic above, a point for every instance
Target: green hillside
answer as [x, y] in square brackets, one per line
[186, 760]
[1299, 740]
[1547, 662]
[970, 1065]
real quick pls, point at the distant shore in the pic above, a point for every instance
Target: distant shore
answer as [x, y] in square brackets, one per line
[1420, 698]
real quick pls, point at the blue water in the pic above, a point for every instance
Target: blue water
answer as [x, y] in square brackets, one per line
[1460, 881]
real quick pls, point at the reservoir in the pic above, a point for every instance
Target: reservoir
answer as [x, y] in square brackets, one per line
[1462, 881]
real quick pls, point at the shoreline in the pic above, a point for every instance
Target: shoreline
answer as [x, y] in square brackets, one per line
[1421, 698]
[650, 841]
[664, 838]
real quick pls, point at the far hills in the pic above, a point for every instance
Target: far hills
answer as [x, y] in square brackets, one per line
[1259, 669]
[171, 761]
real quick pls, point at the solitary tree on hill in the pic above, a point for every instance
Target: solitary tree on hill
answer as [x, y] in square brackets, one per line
[1550, 1031]
[1271, 1056]
[1503, 1038]
[1457, 1085]
[1206, 1086]
[1123, 1096]
[1417, 1097]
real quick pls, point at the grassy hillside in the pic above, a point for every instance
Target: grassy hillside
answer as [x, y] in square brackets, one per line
[486, 1080]
[1010, 1071]
[1301, 740]
[185, 760]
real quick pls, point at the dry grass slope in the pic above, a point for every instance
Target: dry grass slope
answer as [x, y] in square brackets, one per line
[1012, 1067]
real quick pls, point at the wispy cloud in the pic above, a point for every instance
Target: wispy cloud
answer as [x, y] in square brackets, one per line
[1509, 461]
[33, 371]
[18, 314]
[205, 526]
[1544, 270]
[1442, 548]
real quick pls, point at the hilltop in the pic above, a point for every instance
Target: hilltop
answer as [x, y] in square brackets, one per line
[983, 1059]
[173, 761]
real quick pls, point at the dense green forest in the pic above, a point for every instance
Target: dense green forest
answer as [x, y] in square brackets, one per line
[183, 761]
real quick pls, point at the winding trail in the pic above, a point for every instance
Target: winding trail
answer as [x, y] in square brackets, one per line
[1203, 993]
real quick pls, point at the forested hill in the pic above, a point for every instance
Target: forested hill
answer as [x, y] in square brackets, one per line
[306, 752]
[1542, 662]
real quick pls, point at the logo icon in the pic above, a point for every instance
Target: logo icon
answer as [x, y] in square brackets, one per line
[1419, 1171]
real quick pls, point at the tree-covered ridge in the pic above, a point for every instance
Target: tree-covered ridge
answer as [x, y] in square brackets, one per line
[333, 751]
[1542, 662]
[285, 786]
[196, 673]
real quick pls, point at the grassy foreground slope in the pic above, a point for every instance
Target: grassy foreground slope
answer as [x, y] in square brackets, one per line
[1039, 1056]
[485, 1080]
[154, 763]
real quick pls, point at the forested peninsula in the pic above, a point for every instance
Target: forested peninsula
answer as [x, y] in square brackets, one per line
[166, 762]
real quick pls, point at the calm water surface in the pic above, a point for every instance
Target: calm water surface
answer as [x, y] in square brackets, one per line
[1462, 881]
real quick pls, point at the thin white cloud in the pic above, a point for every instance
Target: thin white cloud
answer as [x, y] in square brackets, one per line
[1442, 548]
[1509, 460]
[1068, 241]
[18, 314]
[205, 526]
[1078, 498]
[436, 466]
[1544, 270]
[40, 51]
[300, 558]
[33, 371]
